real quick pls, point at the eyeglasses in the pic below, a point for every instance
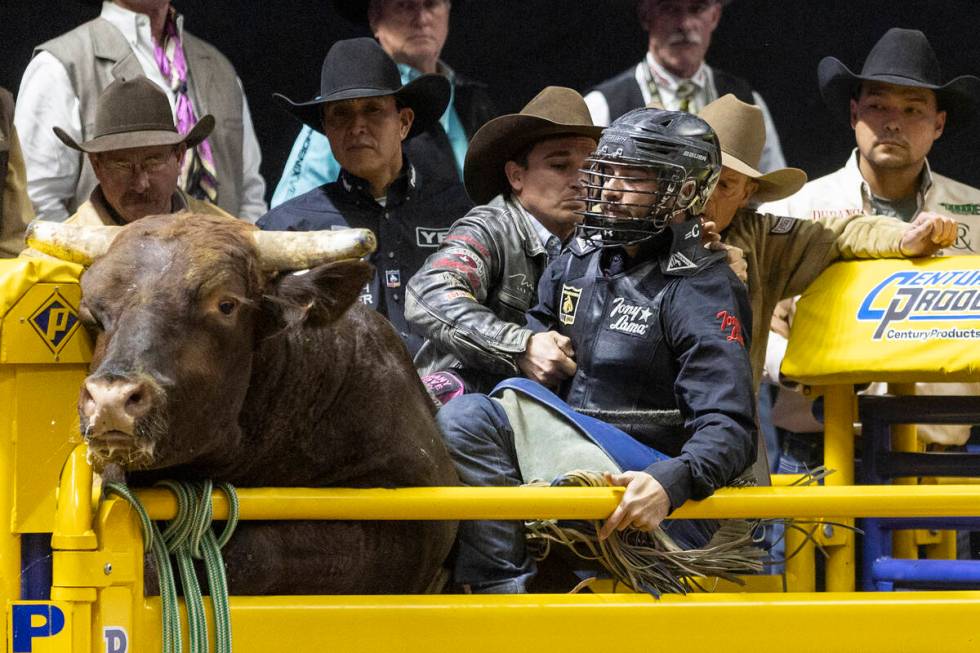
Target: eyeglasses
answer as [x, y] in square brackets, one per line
[150, 165]
[406, 9]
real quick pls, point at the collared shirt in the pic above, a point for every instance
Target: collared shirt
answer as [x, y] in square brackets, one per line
[652, 77]
[46, 99]
[845, 192]
[545, 237]
[311, 163]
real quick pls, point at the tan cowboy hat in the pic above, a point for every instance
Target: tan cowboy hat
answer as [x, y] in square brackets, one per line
[135, 113]
[741, 132]
[555, 111]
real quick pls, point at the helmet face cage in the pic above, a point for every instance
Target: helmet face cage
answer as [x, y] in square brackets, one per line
[666, 161]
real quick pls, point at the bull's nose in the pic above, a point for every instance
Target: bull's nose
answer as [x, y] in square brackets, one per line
[113, 405]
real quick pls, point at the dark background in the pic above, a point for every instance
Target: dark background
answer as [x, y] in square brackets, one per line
[520, 46]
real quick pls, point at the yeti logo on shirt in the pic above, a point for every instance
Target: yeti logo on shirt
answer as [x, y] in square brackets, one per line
[430, 237]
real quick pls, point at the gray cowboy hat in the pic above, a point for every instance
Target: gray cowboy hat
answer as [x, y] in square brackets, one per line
[905, 58]
[135, 113]
[359, 68]
[555, 111]
[741, 133]
[356, 11]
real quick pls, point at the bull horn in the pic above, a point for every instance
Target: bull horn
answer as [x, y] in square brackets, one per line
[76, 243]
[283, 251]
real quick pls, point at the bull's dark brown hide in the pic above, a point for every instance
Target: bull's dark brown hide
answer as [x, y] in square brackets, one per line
[269, 383]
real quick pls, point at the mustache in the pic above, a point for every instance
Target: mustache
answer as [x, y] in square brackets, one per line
[130, 197]
[685, 37]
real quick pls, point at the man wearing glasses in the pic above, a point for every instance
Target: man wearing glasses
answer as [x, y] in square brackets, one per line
[412, 32]
[674, 75]
[136, 153]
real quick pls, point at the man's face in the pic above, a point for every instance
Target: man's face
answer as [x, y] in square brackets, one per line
[732, 193]
[366, 135]
[895, 126]
[627, 191]
[139, 181]
[411, 31]
[680, 32]
[550, 186]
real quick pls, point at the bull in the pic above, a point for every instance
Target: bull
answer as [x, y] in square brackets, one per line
[209, 362]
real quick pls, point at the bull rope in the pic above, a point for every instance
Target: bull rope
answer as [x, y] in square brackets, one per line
[649, 561]
[189, 536]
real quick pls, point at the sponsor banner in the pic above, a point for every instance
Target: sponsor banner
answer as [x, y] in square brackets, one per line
[889, 320]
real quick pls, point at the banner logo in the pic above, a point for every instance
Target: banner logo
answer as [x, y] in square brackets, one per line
[921, 306]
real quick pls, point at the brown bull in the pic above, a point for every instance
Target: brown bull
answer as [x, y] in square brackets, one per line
[208, 366]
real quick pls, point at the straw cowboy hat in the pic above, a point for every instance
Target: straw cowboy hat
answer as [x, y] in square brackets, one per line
[742, 134]
[135, 113]
[905, 58]
[555, 111]
[359, 68]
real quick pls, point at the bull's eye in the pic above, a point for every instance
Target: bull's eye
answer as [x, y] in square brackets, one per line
[227, 306]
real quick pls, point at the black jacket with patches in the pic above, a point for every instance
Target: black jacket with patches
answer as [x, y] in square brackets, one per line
[666, 333]
[416, 216]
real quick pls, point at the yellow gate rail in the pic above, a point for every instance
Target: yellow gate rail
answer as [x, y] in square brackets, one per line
[580, 503]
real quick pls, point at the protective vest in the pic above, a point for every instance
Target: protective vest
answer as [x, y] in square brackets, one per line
[624, 363]
[95, 53]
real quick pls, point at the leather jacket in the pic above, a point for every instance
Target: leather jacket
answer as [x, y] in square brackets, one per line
[469, 299]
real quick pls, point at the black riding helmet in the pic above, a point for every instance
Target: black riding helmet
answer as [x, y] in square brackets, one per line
[677, 150]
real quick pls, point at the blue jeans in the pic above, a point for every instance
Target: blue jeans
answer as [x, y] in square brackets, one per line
[492, 556]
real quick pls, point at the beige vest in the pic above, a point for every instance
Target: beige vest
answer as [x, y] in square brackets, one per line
[15, 207]
[96, 52]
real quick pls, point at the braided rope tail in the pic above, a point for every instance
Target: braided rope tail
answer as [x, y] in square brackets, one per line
[189, 536]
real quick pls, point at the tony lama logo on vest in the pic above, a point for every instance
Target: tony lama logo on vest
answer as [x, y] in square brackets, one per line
[430, 237]
[630, 319]
[568, 304]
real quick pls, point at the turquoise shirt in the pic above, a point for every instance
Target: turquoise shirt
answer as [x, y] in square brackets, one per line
[312, 164]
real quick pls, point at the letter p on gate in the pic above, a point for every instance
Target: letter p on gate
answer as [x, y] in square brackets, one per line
[116, 640]
[34, 620]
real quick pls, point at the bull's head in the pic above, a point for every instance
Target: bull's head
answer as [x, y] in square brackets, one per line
[176, 304]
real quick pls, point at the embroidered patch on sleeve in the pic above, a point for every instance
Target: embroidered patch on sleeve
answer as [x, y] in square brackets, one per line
[463, 262]
[731, 324]
[569, 304]
[783, 226]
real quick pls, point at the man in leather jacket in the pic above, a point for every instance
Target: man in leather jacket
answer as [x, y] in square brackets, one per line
[470, 297]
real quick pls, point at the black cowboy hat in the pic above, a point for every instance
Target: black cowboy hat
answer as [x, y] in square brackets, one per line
[358, 68]
[356, 11]
[905, 58]
[135, 113]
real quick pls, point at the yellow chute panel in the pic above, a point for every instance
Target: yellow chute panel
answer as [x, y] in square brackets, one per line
[889, 320]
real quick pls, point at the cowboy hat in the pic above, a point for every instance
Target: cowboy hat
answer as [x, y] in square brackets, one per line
[902, 57]
[741, 133]
[555, 111]
[356, 11]
[359, 68]
[135, 113]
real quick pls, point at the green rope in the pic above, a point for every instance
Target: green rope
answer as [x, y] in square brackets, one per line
[189, 536]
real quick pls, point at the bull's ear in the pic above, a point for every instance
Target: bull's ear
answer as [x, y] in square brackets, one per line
[318, 296]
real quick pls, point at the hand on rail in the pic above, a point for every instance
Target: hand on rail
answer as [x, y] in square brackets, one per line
[644, 504]
[927, 234]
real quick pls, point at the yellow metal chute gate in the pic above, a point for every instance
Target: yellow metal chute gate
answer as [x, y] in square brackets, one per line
[97, 601]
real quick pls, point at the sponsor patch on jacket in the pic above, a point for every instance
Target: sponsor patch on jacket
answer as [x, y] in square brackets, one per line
[679, 261]
[453, 295]
[463, 262]
[465, 239]
[366, 296]
[961, 209]
[783, 225]
[631, 319]
[963, 240]
[568, 305]
[425, 237]
[731, 324]
[393, 278]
